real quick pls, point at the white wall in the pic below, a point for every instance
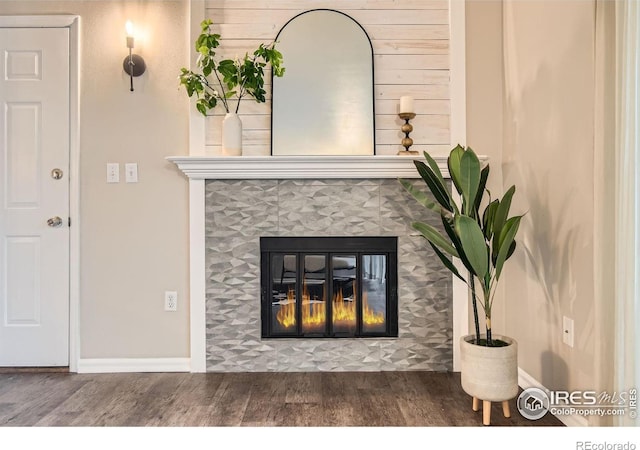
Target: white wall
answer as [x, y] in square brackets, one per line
[134, 236]
[550, 152]
[540, 78]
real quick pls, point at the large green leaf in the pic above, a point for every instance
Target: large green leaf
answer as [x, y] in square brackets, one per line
[453, 161]
[227, 68]
[448, 225]
[488, 217]
[507, 236]
[438, 190]
[473, 244]
[447, 262]
[434, 236]
[484, 175]
[469, 180]
[421, 196]
[501, 217]
[436, 170]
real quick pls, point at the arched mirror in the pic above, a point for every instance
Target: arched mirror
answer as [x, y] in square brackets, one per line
[324, 104]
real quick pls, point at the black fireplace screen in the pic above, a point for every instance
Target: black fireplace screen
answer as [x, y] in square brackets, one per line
[329, 286]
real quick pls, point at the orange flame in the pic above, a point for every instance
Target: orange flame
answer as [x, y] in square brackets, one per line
[287, 312]
[314, 311]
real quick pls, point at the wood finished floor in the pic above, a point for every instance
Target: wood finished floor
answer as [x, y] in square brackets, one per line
[244, 399]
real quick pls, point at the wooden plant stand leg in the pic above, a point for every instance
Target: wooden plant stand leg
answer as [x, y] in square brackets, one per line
[505, 409]
[486, 409]
[486, 412]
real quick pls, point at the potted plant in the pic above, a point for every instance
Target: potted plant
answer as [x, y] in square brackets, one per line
[480, 233]
[232, 78]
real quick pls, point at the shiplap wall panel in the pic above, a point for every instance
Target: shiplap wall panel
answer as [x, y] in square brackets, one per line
[422, 106]
[330, 4]
[433, 125]
[396, 76]
[418, 91]
[410, 40]
[268, 31]
[389, 47]
[383, 49]
[381, 149]
[280, 16]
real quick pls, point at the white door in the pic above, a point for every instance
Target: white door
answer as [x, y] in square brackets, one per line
[34, 141]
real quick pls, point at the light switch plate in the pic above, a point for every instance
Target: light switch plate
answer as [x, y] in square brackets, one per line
[131, 172]
[113, 173]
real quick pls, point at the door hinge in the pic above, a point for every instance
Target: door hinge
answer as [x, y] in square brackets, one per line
[69, 221]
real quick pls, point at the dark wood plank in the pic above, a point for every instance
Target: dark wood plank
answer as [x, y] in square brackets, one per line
[32, 396]
[155, 402]
[304, 388]
[87, 404]
[340, 406]
[192, 400]
[267, 398]
[229, 403]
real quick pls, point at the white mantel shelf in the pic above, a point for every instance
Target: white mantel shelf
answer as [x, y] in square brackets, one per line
[300, 167]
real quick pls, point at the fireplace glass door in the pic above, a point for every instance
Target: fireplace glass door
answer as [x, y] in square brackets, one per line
[330, 293]
[374, 293]
[345, 294]
[284, 312]
[314, 295]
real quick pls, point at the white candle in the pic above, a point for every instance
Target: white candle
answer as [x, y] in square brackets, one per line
[406, 104]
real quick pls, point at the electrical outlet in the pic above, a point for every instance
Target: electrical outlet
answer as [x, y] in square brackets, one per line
[170, 301]
[567, 331]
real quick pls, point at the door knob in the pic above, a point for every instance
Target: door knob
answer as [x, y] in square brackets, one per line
[54, 222]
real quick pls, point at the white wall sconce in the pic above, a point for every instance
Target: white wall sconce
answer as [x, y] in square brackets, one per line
[133, 64]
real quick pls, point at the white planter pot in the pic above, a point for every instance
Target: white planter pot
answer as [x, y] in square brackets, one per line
[489, 373]
[231, 135]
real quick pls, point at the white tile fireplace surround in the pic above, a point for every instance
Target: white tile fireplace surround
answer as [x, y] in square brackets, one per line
[236, 200]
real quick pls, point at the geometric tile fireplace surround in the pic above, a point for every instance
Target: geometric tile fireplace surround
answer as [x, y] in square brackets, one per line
[236, 200]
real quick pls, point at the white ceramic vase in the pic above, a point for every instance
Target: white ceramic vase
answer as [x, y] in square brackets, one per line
[231, 135]
[489, 373]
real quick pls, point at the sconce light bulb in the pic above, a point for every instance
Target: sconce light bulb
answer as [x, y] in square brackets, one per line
[130, 40]
[129, 28]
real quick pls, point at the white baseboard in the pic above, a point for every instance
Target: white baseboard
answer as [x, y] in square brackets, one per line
[526, 381]
[116, 365]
